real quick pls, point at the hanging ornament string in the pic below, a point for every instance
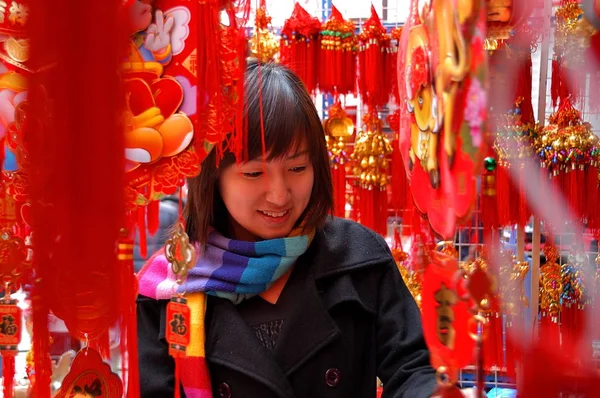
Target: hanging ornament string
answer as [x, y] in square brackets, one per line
[264, 44]
[299, 45]
[339, 130]
[181, 256]
[371, 169]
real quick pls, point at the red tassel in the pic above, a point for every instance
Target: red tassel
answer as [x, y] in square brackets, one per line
[591, 199]
[399, 179]
[102, 345]
[555, 82]
[40, 344]
[339, 189]
[141, 224]
[77, 167]
[549, 331]
[129, 344]
[593, 57]
[524, 214]
[8, 375]
[572, 323]
[153, 216]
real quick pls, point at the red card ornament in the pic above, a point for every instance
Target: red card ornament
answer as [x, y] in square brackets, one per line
[446, 316]
[90, 377]
[177, 331]
[10, 326]
[158, 128]
[441, 126]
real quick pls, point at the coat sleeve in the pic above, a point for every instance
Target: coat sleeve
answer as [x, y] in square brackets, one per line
[402, 355]
[157, 367]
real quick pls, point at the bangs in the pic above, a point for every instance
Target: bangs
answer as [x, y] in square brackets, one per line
[288, 113]
[286, 124]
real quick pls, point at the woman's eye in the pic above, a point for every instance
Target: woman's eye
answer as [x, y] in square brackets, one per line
[253, 174]
[298, 169]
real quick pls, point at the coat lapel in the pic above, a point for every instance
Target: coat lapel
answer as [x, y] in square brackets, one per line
[231, 343]
[309, 329]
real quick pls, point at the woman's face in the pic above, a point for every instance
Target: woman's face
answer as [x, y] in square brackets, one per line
[266, 199]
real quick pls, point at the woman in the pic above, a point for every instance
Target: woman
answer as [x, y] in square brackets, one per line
[337, 315]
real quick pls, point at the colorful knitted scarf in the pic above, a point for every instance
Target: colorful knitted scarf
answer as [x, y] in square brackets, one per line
[231, 269]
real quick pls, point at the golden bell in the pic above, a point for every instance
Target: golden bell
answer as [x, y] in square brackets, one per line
[339, 127]
[557, 144]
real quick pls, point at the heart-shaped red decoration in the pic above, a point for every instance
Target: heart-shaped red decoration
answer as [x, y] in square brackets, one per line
[168, 95]
[139, 96]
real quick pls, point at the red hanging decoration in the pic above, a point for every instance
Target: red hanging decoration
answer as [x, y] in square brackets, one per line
[337, 55]
[299, 45]
[445, 316]
[593, 57]
[567, 148]
[373, 52]
[442, 127]
[371, 169]
[77, 168]
[90, 376]
[339, 129]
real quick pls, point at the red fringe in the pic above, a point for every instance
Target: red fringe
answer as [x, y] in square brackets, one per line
[399, 179]
[591, 197]
[77, 167]
[555, 83]
[381, 211]
[101, 344]
[40, 344]
[524, 89]
[128, 322]
[572, 323]
[153, 216]
[549, 332]
[593, 56]
[338, 173]
[513, 351]
[141, 225]
[208, 89]
[8, 375]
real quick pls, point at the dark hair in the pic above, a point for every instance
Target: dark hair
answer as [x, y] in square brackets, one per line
[290, 118]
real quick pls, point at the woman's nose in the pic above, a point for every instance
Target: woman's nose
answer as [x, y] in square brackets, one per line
[278, 191]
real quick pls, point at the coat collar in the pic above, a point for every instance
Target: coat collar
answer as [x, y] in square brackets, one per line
[343, 245]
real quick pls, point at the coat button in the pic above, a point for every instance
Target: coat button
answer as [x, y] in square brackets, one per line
[332, 377]
[224, 390]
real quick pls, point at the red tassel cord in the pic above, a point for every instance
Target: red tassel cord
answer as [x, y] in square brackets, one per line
[399, 180]
[153, 217]
[77, 168]
[143, 236]
[380, 215]
[220, 68]
[591, 197]
[128, 322]
[593, 59]
[8, 375]
[338, 173]
[555, 82]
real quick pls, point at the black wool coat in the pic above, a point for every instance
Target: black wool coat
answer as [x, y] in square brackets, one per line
[358, 321]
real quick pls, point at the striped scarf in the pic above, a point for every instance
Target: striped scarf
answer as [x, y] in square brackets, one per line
[231, 269]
